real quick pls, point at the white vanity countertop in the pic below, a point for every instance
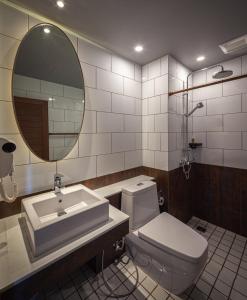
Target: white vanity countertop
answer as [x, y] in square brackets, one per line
[15, 264]
[116, 188]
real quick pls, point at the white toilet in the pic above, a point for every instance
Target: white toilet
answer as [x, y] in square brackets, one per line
[168, 250]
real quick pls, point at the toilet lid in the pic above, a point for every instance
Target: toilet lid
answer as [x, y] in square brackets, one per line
[171, 235]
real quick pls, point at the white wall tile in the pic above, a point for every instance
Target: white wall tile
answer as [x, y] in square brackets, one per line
[175, 123]
[164, 65]
[94, 144]
[224, 105]
[109, 81]
[123, 104]
[165, 143]
[89, 122]
[144, 73]
[74, 152]
[161, 85]
[51, 88]
[208, 123]
[148, 89]
[244, 102]
[161, 160]
[145, 106]
[57, 114]
[7, 118]
[110, 122]
[174, 159]
[29, 83]
[154, 141]
[110, 163]
[13, 22]
[138, 110]
[235, 122]
[31, 179]
[144, 140]
[164, 103]
[98, 100]
[148, 123]
[63, 126]
[172, 104]
[72, 92]
[199, 78]
[244, 64]
[76, 170]
[154, 69]
[224, 140]
[182, 72]
[148, 158]
[89, 75]
[244, 134]
[123, 67]
[235, 159]
[161, 123]
[154, 105]
[172, 65]
[210, 156]
[235, 87]
[5, 79]
[132, 123]
[123, 142]
[132, 159]
[132, 88]
[138, 73]
[138, 140]
[8, 48]
[213, 91]
[172, 142]
[94, 55]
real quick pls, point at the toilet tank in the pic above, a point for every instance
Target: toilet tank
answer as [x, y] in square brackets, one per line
[140, 202]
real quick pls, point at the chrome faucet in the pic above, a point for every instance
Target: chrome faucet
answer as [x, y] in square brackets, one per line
[58, 183]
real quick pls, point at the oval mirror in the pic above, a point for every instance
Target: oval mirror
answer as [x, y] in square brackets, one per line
[48, 92]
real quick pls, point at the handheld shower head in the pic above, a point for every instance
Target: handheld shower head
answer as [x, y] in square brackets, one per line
[198, 105]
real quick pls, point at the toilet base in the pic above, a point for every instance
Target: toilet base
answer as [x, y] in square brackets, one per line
[168, 271]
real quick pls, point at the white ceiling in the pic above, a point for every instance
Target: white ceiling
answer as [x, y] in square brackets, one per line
[183, 28]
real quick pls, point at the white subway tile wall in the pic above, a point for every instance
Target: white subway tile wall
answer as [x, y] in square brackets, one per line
[111, 137]
[129, 119]
[162, 119]
[222, 124]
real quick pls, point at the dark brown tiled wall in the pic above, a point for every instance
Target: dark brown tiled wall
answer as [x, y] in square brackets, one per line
[220, 196]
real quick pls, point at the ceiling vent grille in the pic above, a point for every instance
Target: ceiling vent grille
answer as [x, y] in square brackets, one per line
[234, 45]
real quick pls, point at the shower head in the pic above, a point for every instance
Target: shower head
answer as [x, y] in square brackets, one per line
[222, 74]
[198, 105]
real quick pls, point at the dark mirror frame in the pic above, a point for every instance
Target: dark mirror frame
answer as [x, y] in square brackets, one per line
[12, 89]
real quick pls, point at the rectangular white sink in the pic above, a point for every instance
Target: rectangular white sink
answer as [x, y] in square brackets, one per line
[54, 219]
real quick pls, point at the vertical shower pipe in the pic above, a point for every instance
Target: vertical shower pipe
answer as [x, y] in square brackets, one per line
[186, 161]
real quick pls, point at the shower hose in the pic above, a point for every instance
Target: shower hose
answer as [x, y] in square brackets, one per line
[111, 293]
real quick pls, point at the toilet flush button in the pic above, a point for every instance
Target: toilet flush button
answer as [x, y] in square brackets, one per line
[140, 184]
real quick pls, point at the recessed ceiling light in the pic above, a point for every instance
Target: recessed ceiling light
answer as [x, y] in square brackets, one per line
[60, 4]
[46, 30]
[200, 58]
[138, 48]
[51, 99]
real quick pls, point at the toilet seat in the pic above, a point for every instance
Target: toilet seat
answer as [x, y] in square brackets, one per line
[174, 237]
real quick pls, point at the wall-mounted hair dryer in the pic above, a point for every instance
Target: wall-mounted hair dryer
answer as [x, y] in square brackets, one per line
[7, 169]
